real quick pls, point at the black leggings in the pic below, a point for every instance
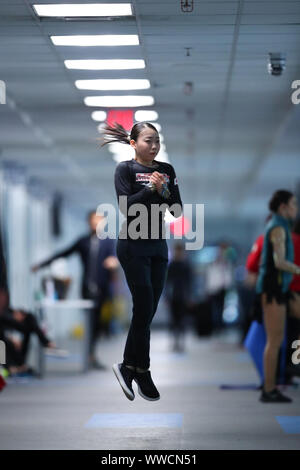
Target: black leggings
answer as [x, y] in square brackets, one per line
[145, 266]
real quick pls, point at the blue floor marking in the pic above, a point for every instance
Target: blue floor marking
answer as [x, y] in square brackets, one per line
[239, 386]
[135, 420]
[289, 424]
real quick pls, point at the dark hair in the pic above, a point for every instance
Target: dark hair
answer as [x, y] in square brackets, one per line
[90, 213]
[296, 227]
[118, 133]
[281, 196]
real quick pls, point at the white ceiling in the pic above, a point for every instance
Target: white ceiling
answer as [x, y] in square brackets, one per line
[233, 141]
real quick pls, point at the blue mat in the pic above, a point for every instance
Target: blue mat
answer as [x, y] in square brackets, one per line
[255, 342]
[289, 424]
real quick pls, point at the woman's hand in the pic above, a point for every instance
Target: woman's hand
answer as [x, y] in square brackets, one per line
[157, 179]
[35, 268]
[18, 315]
[111, 262]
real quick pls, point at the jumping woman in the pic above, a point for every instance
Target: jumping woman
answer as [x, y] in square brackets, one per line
[275, 275]
[143, 255]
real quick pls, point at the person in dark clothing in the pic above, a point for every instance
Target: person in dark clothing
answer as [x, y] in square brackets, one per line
[4, 299]
[98, 260]
[273, 284]
[293, 310]
[144, 184]
[178, 291]
[16, 320]
[4, 293]
[293, 326]
[26, 324]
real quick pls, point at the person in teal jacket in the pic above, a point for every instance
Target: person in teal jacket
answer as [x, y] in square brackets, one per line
[275, 275]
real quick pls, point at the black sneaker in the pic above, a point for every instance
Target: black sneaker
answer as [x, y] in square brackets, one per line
[146, 387]
[275, 396]
[125, 377]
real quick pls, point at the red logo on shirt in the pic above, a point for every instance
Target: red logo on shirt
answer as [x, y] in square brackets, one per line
[142, 176]
[145, 177]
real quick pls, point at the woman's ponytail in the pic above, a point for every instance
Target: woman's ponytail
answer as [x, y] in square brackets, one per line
[115, 133]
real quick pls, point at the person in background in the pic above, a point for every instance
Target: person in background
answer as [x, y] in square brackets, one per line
[275, 275]
[252, 267]
[26, 324]
[219, 279]
[294, 304]
[99, 262]
[178, 294]
[293, 323]
[4, 299]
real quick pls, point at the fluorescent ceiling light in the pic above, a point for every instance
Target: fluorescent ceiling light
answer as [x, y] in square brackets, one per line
[111, 64]
[112, 84]
[99, 116]
[101, 127]
[119, 101]
[84, 9]
[97, 40]
[146, 115]
[123, 150]
[121, 158]
[118, 147]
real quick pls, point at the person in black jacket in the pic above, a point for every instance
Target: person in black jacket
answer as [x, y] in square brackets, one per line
[98, 260]
[141, 247]
[178, 294]
[4, 299]
[4, 293]
[26, 324]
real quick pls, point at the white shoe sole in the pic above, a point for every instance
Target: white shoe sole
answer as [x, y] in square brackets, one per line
[119, 376]
[145, 396]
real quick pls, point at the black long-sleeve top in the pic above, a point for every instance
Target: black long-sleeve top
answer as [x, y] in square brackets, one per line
[131, 180]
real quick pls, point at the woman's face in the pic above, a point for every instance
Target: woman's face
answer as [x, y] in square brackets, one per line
[147, 144]
[291, 208]
[94, 220]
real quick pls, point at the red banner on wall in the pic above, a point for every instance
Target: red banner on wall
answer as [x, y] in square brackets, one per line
[120, 116]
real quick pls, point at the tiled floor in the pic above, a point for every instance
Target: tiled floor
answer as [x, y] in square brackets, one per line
[208, 401]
